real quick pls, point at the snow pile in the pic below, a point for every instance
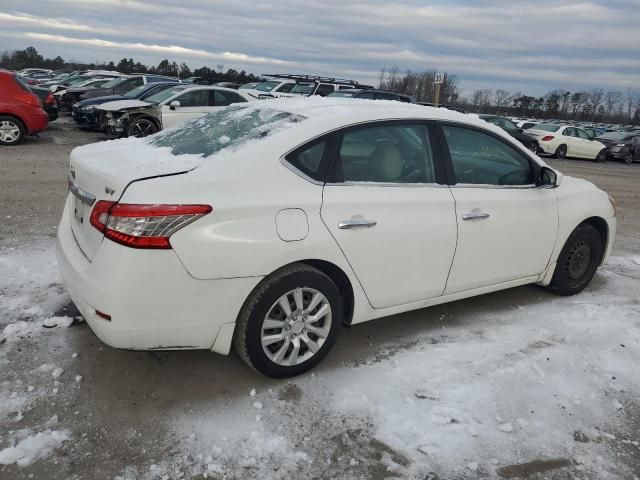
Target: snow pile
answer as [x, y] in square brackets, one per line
[33, 447]
[30, 285]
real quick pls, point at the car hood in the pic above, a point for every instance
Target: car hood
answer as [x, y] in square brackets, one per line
[102, 99]
[123, 104]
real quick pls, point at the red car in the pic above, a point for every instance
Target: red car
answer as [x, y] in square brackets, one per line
[21, 110]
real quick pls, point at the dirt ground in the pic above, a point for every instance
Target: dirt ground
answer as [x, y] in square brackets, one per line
[119, 412]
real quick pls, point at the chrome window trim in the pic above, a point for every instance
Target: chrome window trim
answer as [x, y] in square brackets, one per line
[494, 187]
[386, 184]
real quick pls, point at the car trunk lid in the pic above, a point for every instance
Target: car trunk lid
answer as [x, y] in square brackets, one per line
[104, 171]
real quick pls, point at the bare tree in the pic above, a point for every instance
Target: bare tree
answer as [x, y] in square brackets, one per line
[611, 100]
[501, 99]
[595, 98]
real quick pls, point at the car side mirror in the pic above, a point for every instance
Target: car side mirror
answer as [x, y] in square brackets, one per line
[548, 178]
[175, 104]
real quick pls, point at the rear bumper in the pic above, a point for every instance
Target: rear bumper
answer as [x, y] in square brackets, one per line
[36, 121]
[546, 147]
[152, 300]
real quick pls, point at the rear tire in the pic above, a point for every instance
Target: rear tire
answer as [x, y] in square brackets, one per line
[12, 131]
[561, 152]
[578, 261]
[303, 342]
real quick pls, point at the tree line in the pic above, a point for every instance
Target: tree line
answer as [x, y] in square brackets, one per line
[595, 105]
[31, 58]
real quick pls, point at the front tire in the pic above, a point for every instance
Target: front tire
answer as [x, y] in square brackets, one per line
[289, 322]
[628, 159]
[12, 131]
[141, 127]
[578, 261]
[602, 156]
[561, 152]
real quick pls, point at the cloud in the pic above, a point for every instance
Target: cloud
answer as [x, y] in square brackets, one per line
[532, 46]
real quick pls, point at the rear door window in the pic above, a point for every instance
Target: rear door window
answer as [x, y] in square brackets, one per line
[324, 89]
[222, 98]
[399, 153]
[194, 98]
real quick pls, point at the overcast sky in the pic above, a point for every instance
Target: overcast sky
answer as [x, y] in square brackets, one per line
[532, 46]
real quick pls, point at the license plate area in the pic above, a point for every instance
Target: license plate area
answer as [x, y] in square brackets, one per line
[78, 210]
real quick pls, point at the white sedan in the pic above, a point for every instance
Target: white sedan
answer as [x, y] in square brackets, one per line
[270, 225]
[166, 108]
[564, 141]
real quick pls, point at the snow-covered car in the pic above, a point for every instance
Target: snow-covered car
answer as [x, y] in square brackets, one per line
[564, 141]
[137, 118]
[269, 225]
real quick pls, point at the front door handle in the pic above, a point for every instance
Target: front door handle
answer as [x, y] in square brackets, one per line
[475, 214]
[356, 222]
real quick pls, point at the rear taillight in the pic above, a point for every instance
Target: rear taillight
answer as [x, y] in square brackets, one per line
[547, 138]
[50, 100]
[143, 226]
[30, 98]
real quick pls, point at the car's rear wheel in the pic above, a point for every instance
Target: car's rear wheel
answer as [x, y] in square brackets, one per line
[533, 146]
[561, 152]
[578, 261]
[141, 127]
[602, 156]
[289, 322]
[11, 131]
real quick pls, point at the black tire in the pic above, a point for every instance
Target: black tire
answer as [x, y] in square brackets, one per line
[141, 127]
[561, 152]
[533, 147]
[12, 123]
[247, 338]
[602, 156]
[628, 159]
[578, 261]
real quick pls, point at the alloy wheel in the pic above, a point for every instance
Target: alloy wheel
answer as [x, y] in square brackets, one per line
[296, 326]
[9, 131]
[142, 128]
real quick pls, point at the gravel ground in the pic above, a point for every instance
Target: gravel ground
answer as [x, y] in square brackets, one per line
[516, 384]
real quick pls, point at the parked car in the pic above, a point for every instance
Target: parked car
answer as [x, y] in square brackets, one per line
[291, 85]
[25, 72]
[567, 141]
[529, 141]
[81, 86]
[271, 88]
[273, 224]
[78, 78]
[622, 146]
[117, 86]
[84, 112]
[135, 118]
[21, 110]
[525, 124]
[232, 85]
[373, 94]
[594, 132]
[48, 101]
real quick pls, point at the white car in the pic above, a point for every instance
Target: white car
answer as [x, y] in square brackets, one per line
[137, 118]
[564, 141]
[274, 87]
[270, 225]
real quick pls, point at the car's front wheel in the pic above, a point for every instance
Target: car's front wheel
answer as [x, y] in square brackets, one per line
[578, 261]
[141, 127]
[602, 156]
[11, 131]
[289, 322]
[628, 159]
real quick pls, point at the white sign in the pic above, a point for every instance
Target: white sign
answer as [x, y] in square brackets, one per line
[439, 77]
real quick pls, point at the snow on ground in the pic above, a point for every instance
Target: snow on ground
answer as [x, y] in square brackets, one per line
[476, 388]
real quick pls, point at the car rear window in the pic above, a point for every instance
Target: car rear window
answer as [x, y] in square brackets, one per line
[547, 127]
[223, 129]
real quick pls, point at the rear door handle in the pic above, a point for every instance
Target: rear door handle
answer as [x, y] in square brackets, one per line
[475, 214]
[356, 223]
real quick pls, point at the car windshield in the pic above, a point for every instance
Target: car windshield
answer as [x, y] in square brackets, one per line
[267, 86]
[304, 88]
[223, 129]
[136, 92]
[166, 94]
[546, 127]
[114, 83]
[248, 86]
